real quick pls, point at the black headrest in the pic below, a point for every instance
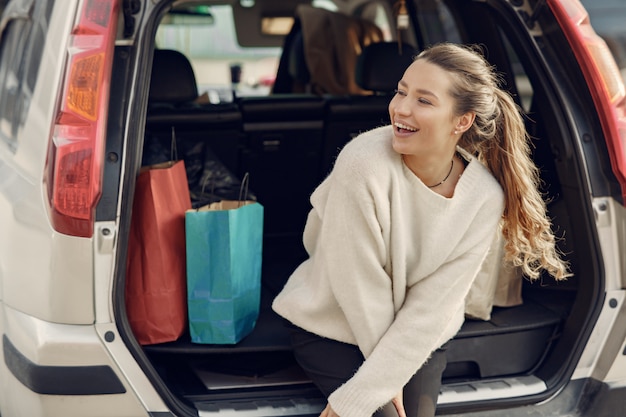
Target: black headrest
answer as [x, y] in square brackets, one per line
[173, 80]
[381, 65]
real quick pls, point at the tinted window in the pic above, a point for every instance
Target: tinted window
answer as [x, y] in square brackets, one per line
[21, 48]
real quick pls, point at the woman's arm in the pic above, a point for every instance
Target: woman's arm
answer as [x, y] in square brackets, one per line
[431, 315]
[351, 254]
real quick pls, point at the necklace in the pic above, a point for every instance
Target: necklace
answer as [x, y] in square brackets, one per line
[447, 176]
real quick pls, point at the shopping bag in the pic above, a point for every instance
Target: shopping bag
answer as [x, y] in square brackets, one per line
[224, 256]
[156, 280]
[497, 283]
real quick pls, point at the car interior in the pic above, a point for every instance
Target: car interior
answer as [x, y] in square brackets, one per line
[287, 141]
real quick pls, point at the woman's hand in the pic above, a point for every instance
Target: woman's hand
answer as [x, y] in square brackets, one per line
[397, 401]
[329, 412]
[399, 404]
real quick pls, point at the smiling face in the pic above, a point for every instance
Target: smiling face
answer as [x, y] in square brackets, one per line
[422, 113]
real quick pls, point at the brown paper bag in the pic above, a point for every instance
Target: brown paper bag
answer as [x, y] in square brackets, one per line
[498, 283]
[156, 290]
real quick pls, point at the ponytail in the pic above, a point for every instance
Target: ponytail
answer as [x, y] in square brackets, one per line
[530, 242]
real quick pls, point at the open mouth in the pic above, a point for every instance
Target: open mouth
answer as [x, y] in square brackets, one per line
[402, 128]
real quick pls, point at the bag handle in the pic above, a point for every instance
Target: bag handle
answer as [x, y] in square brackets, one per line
[173, 146]
[243, 188]
[244, 185]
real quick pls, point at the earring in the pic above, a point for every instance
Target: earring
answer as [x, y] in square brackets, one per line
[456, 132]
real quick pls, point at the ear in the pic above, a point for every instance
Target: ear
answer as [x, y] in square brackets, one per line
[465, 122]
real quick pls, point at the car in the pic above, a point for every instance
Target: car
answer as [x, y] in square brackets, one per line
[94, 92]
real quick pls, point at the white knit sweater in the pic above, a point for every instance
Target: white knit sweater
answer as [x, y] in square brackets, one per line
[390, 264]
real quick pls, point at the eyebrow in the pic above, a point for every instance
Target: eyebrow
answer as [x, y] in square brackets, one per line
[419, 90]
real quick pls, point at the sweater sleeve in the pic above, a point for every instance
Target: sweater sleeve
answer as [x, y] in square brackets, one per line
[424, 323]
[350, 254]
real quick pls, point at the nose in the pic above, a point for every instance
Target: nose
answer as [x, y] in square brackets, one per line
[400, 105]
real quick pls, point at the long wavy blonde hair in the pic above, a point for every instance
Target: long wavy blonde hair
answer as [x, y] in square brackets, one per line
[499, 139]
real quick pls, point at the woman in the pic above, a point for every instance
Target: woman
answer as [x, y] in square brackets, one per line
[398, 232]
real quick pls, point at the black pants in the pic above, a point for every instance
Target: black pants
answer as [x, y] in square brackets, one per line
[330, 363]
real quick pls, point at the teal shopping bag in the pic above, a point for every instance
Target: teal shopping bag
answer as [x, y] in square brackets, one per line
[224, 243]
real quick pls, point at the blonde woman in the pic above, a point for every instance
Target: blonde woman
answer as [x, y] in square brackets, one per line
[398, 232]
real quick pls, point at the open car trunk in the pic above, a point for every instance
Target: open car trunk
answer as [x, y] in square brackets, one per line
[524, 352]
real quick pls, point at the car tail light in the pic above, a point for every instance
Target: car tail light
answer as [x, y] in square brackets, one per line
[76, 150]
[603, 77]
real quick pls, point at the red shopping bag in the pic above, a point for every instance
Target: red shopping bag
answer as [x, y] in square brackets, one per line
[156, 293]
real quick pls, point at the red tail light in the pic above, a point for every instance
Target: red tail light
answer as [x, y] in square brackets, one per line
[603, 77]
[76, 150]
